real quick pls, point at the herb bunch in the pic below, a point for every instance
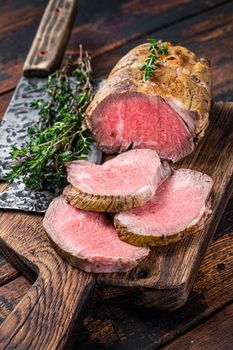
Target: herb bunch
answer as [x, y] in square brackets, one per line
[59, 136]
[156, 47]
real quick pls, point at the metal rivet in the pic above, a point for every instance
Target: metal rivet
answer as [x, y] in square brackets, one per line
[43, 53]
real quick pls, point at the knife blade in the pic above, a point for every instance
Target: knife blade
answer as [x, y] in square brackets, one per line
[44, 57]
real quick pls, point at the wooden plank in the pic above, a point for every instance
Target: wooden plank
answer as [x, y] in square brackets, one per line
[170, 280]
[20, 12]
[110, 24]
[226, 222]
[4, 101]
[11, 294]
[120, 327]
[117, 327]
[51, 266]
[7, 271]
[215, 333]
[209, 34]
[123, 21]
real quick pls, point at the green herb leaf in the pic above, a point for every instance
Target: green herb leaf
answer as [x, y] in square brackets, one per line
[156, 48]
[59, 136]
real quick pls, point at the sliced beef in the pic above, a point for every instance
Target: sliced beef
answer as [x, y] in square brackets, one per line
[165, 113]
[124, 182]
[181, 205]
[88, 240]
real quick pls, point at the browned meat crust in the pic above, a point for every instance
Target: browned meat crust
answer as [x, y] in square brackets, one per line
[181, 79]
[152, 241]
[111, 204]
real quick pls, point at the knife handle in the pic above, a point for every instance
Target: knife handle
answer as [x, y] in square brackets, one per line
[51, 38]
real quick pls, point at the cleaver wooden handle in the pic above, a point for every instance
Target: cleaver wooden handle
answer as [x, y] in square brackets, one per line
[51, 38]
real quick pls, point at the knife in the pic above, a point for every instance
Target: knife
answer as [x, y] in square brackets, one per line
[43, 58]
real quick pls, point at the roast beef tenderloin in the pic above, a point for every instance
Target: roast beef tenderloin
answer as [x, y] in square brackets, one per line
[124, 182]
[88, 240]
[180, 206]
[167, 113]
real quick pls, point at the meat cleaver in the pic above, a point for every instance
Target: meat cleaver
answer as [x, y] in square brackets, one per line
[43, 58]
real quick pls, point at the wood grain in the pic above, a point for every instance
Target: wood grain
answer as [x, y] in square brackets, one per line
[123, 21]
[110, 23]
[54, 301]
[51, 38]
[208, 35]
[226, 222]
[215, 333]
[11, 294]
[166, 285]
[4, 101]
[120, 327]
[7, 271]
[20, 12]
[167, 275]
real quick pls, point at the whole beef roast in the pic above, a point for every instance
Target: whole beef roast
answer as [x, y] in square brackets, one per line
[88, 240]
[180, 206]
[166, 113]
[124, 182]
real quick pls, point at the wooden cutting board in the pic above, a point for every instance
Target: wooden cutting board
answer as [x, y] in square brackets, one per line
[45, 317]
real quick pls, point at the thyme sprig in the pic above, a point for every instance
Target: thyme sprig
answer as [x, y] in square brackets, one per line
[156, 48]
[60, 135]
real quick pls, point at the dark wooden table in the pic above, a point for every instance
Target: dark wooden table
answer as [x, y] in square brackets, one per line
[108, 29]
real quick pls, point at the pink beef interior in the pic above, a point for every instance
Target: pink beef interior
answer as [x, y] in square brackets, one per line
[178, 203]
[122, 120]
[126, 174]
[91, 237]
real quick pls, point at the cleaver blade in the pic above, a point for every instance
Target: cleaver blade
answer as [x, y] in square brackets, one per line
[13, 132]
[43, 58]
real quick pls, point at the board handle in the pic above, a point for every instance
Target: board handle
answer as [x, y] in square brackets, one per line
[51, 38]
[45, 318]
